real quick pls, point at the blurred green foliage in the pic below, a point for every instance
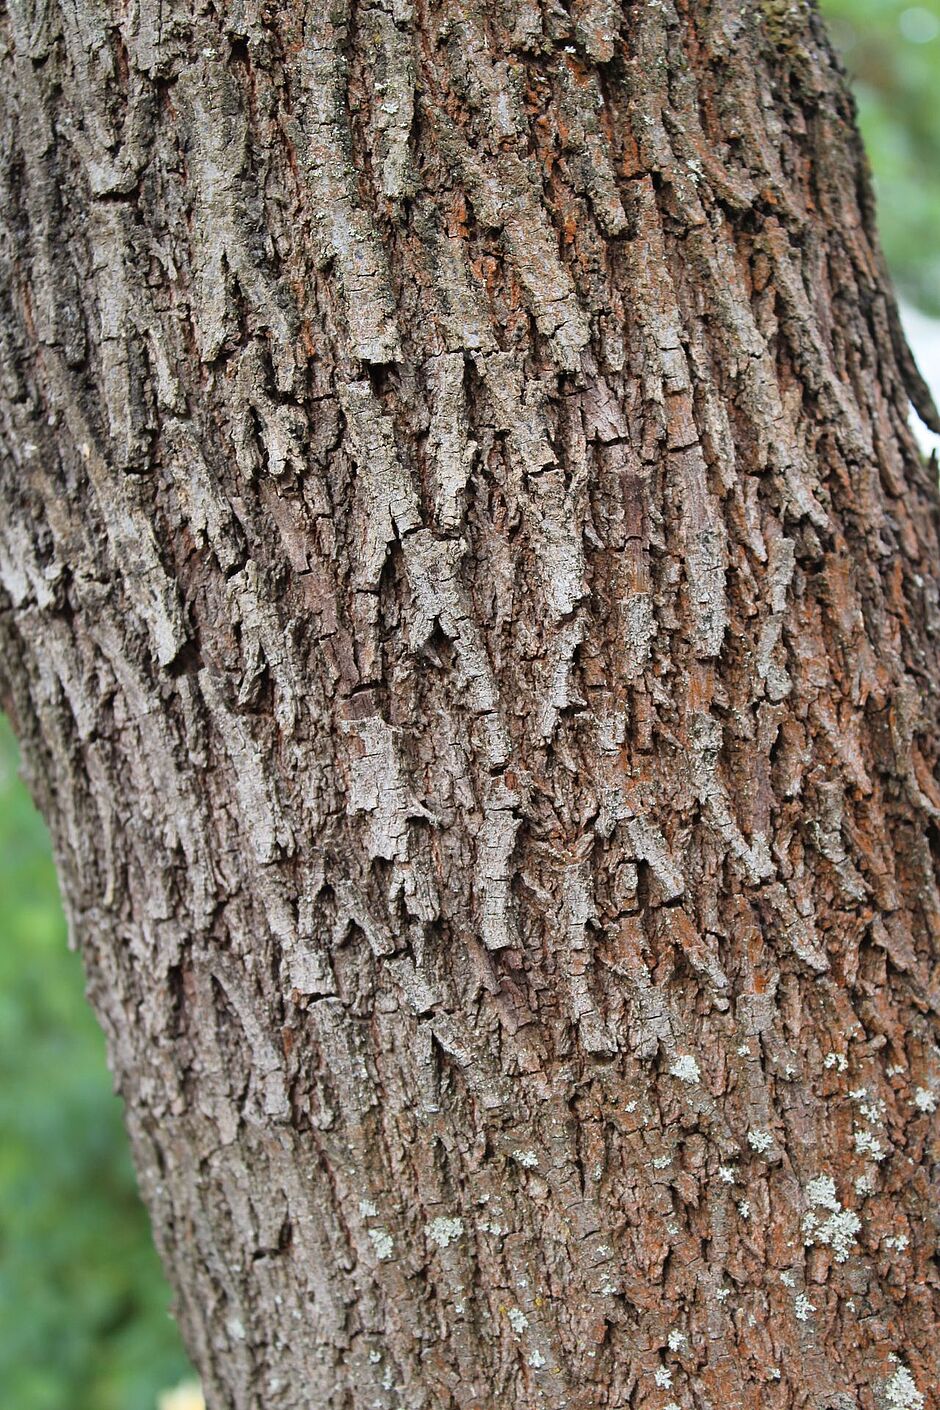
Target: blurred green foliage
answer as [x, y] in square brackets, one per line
[83, 1301]
[891, 50]
[83, 1322]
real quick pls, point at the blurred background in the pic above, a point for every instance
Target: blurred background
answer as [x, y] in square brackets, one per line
[83, 1304]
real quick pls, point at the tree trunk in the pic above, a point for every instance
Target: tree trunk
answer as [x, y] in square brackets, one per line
[470, 607]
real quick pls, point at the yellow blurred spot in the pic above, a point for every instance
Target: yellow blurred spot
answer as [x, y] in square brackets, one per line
[187, 1396]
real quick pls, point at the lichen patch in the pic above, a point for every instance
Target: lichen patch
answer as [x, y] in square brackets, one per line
[444, 1231]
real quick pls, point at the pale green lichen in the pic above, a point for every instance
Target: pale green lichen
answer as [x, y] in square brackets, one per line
[865, 1144]
[872, 1108]
[686, 1068]
[839, 1231]
[383, 1243]
[444, 1231]
[821, 1191]
[760, 1141]
[528, 1159]
[784, 19]
[901, 1392]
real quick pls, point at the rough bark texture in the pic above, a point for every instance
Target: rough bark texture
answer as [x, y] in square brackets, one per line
[470, 606]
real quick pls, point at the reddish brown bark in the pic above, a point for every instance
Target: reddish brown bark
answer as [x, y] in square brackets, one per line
[469, 600]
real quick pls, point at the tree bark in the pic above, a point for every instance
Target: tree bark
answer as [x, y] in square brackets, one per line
[470, 605]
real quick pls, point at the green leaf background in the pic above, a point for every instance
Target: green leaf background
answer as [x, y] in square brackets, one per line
[84, 1321]
[891, 51]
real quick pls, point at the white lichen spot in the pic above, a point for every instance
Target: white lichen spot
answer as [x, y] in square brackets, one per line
[773, 1373]
[839, 1230]
[526, 1158]
[864, 1184]
[822, 1191]
[367, 1209]
[924, 1100]
[744, 1050]
[235, 1328]
[897, 1241]
[722, 1293]
[631, 1105]
[760, 1141]
[375, 1356]
[517, 1320]
[663, 1377]
[866, 1144]
[383, 1243]
[803, 1308]
[686, 1069]
[872, 1108]
[676, 1340]
[444, 1231]
[901, 1391]
[726, 1173]
[895, 1069]
[787, 1279]
[537, 1361]
[660, 1162]
[836, 1060]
